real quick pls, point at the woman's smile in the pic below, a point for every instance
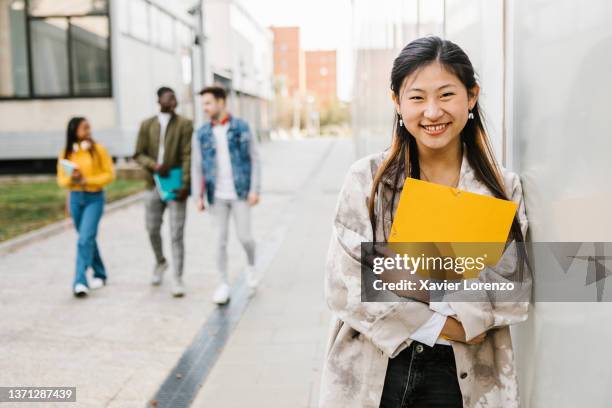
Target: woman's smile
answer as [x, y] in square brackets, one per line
[436, 129]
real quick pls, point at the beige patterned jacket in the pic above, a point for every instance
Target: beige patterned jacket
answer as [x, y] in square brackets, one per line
[364, 335]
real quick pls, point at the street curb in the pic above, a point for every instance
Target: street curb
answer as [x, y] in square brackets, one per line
[55, 228]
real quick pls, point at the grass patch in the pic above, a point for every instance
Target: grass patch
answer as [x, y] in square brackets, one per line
[28, 205]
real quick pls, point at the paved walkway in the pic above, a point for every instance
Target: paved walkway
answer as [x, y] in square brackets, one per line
[119, 345]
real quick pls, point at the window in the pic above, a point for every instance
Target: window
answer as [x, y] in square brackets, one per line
[139, 19]
[166, 31]
[90, 63]
[162, 29]
[14, 74]
[50, 56]
[54, 48]
[154, 16]
[149, 23]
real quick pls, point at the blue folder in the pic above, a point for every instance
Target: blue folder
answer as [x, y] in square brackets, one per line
[167, 185]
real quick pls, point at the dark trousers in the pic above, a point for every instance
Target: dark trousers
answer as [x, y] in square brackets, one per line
[422, 376]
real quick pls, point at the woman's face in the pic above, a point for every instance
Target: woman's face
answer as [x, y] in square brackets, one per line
[83, 131]
[434, 105]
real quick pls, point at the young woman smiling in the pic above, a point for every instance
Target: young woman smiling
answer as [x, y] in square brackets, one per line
[415, 354]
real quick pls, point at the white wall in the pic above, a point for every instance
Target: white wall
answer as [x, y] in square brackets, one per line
[562, 140]
[36, 128]
[253, 54]
[218, 38]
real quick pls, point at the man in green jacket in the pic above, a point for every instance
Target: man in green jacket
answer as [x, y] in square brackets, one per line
[164, 143]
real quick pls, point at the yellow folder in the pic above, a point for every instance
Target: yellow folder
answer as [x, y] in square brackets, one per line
[429, 212]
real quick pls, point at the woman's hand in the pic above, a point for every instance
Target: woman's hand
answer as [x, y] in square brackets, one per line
[200, 204]
[253, 199]
[394, 275]
[77, 177]
[453, 330]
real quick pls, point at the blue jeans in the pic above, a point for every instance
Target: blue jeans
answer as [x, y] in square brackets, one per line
[422, 377]
[86, 210]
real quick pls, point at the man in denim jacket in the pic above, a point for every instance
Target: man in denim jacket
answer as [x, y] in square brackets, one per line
[226, 169]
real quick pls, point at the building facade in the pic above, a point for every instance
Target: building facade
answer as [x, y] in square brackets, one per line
[105, 60]
[239, 56]
[305, 81]
[288, 61]
[321, 76]
[95, 58]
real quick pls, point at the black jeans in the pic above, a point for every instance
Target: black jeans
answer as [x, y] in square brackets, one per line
[422, 376]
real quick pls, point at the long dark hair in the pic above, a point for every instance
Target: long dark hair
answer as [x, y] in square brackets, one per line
[72, 138]
[415, 55]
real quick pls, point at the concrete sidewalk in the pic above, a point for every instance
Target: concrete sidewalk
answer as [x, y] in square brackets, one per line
[118, 345]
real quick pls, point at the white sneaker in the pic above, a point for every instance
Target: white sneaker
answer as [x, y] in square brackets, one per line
[251, 277]
[178, 289]
[222, 294]
[158, 273]
[97, 283]
[80, 290]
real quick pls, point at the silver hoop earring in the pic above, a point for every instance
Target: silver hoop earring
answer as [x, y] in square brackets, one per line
[470, 115]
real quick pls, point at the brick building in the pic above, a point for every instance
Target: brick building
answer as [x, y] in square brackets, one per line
[321, 76]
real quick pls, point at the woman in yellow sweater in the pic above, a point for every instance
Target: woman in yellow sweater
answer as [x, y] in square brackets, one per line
[85, 168]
